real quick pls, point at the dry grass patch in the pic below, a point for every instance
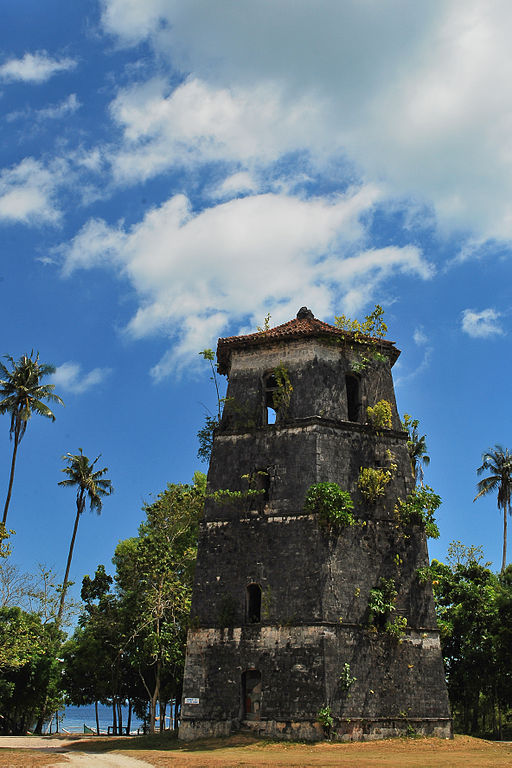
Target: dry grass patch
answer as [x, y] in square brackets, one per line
[240, 751]
[28, 758]
[463, 751]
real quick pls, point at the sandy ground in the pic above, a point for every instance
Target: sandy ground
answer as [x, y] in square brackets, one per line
[242, 752]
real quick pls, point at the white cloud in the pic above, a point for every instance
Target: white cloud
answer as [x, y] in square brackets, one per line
[53, 112]
[481, 325]
[34, 67]
[197, 273]
[420, 337]
[28, 192]
[196, 123]
[416, 94]
[236, 184]
[69, 377]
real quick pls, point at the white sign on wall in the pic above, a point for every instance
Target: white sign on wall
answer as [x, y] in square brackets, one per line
[192, 701]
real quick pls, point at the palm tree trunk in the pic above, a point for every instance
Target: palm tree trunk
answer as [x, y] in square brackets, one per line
[79, 508]
[97, 718]
[504, 559]
[11, 476]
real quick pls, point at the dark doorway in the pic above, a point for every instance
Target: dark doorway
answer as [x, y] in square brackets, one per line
[251, 694]
[253, 603]
[353, 398]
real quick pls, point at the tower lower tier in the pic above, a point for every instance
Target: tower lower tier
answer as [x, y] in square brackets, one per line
[276, 679]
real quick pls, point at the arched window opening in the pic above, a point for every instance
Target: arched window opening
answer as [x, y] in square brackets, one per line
[253, 603]
[251, 694]
[353, 398]
[270, 387]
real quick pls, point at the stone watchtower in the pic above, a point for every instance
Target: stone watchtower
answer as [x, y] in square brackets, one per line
[290, 614]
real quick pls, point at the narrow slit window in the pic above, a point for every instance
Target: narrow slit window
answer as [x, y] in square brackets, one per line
[269, 404]
[253, 603]
[353, 398]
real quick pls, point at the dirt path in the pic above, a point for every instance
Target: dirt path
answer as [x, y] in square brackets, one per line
[112, 760]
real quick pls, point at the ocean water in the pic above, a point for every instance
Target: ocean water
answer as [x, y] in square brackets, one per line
[75, 718]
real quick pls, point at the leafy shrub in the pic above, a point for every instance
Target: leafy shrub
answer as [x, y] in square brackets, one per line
[346, 678]
[332, 505]
[325, 718]
[397, 627]
[381, 601]
[282, 395]
[372, 482]
[380, 415]
[419, 509]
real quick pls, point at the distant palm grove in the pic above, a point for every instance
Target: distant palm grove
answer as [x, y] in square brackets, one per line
[126, 645]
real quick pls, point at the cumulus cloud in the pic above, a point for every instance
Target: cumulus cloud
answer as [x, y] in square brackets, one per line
[69, 377]
[197, 273]
[482, 325]
[34, 68]
[197, 123]
[28, 192]
[416, 94]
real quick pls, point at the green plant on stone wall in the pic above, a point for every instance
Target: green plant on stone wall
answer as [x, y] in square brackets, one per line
[381, 602]
[419, 509]
[372, 483]
[396, 627]
[234, 498]
[346, 679]
[332, 505]
[282, 394]
[425, 574]
[366, 336]
[326, 719]
[379, 415]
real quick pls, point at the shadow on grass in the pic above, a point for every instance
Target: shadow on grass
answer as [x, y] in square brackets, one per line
[162, 742]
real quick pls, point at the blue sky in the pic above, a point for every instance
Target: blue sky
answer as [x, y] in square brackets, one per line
[171, 171]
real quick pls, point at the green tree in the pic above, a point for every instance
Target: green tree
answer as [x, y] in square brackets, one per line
[154, 579]
[466, 605]
[29, 670]
[22, 394]
[417, 447]
[94, 664]
[498, 462]
[90, 485]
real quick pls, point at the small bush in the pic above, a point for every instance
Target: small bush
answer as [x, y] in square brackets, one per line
[372, 483]
[380, 415]
[381, 601]
[397, 627]
[419, 509]
[332, 505]
[346, 678]
[325, 719]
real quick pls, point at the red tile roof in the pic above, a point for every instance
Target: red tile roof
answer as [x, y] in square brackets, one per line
[304, 325]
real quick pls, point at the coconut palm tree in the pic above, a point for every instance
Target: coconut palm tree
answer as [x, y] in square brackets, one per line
[90, 485]
[22, 394]
[417, 447]
[498, 462]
